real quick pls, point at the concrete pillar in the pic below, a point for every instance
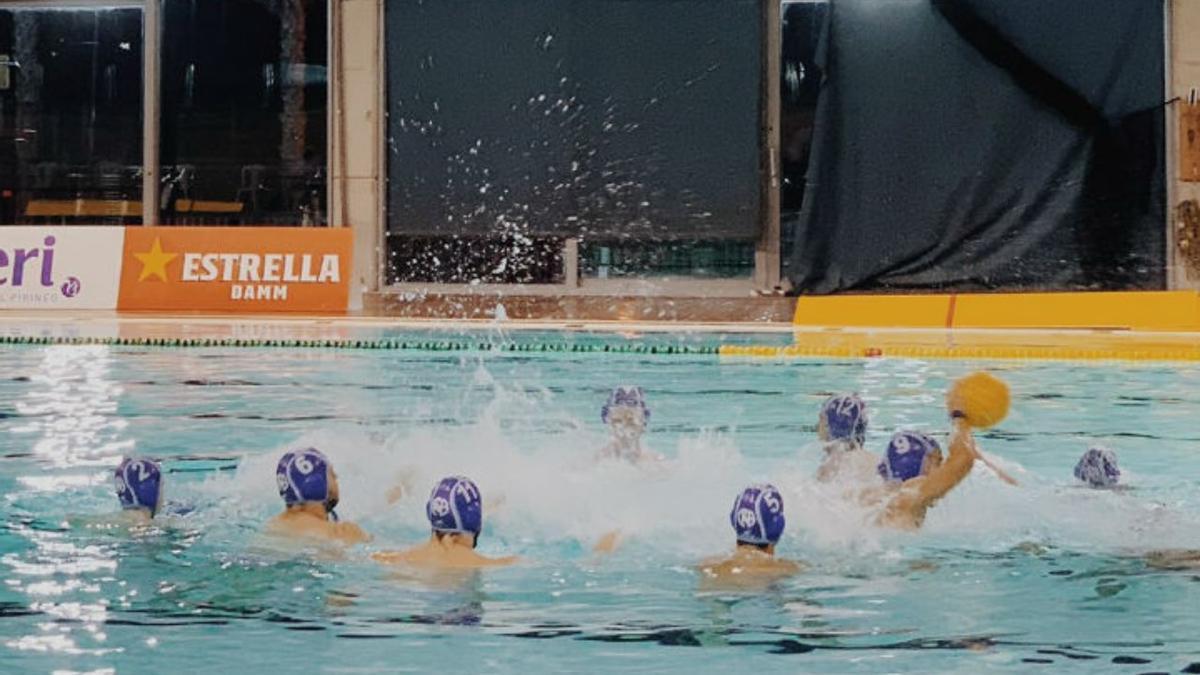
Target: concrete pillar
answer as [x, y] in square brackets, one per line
[766, 260]
[293, 26]
[1185, 75]
[357, 163]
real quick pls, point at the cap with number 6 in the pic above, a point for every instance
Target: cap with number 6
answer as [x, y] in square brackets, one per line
[302, 476]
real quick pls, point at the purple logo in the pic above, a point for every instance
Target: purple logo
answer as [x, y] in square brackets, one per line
[17, 263]
[71, 288]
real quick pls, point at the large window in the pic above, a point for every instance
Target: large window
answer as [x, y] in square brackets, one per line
[243, 112]
[521, 133]
[242, 95]
[70, 115]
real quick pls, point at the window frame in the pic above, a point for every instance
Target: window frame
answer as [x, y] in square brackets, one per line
[152, 32]
[765, 277]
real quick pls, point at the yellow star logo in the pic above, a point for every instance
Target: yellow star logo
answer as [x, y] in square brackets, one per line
[154, 262]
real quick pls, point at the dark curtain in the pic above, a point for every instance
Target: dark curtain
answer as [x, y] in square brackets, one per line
[986, 144]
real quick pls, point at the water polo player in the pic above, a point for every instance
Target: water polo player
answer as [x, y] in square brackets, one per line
[1097, 468]
[915, 473]
[455, 513]
[139, 487]
[842, 428]
[626, 415]
[758, 522]
[309, 488]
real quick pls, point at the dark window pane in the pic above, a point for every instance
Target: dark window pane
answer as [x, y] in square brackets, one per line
[70, 115]
[475, 259]
[631, 126]
[718, 259]
[243, 112]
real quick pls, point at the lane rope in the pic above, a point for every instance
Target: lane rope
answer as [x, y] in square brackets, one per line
[972, 352]
[1188, 353]
[379, 344]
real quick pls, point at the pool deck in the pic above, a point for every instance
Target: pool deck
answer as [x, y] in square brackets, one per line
[780, 341]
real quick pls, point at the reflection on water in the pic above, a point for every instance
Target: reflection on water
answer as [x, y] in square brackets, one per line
[69, 410]
[62, 581]
[68, 414]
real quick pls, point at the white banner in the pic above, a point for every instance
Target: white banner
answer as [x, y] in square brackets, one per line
[60, 267]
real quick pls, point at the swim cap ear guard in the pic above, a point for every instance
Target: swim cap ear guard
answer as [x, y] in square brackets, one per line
[303, 477]
[846, 418]
[906, 455]
[138, 483]
[1098, 468]
[625, 397]
[757, 515]
[455, 507]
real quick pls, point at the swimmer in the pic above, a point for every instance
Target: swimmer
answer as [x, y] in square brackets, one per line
[626, 415]
[309, 487]
[842, 427]
[1098, 469]
[455, 512]
[758, 521]
[916, 476]
[139, 487]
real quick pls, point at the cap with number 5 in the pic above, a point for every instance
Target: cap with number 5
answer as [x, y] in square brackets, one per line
[757, 515]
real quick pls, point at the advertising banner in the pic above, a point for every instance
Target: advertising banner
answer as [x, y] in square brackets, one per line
[60, 267]
[236, 269]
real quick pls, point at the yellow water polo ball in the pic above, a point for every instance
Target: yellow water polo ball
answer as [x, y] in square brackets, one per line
[980, 398]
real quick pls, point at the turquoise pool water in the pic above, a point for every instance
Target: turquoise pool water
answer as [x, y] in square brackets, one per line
[1046, 576]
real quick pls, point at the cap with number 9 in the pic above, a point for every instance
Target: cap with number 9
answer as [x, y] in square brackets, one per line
[907, 455]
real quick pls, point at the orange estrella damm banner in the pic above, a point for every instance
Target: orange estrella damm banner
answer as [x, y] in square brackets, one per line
[236, 269]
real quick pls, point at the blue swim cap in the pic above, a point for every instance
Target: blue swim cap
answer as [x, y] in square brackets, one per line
[757, 515]
[625, 397]
[302, 477]
[846, 418]
[455, 505]
[139, 484]
[1098, 468]
[906, 455]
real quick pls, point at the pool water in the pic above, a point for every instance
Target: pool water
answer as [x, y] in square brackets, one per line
[1047, 575]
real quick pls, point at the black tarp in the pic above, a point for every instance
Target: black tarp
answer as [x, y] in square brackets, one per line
[636, 119]
[985, 144]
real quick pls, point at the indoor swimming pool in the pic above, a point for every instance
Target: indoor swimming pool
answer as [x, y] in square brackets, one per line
[1046, 575]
